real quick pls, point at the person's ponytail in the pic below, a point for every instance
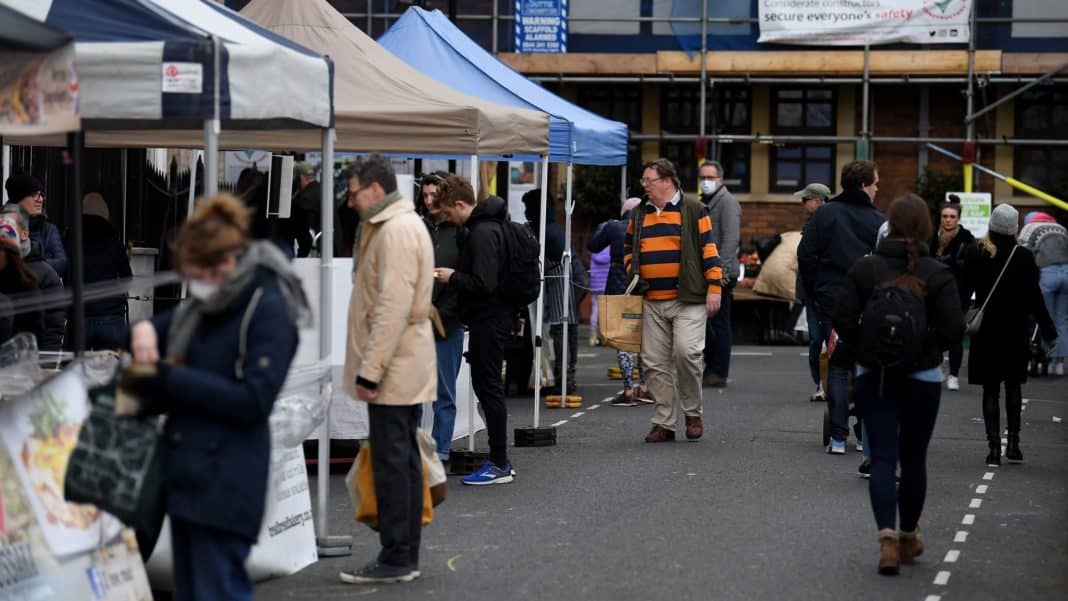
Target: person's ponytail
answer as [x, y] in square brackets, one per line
[910, 219]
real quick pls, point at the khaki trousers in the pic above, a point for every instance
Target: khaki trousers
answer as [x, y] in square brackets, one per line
[673, 344]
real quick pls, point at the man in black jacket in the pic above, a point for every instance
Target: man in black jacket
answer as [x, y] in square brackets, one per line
[489, 320]
[448, 330]
[105, 259]
[839, 233]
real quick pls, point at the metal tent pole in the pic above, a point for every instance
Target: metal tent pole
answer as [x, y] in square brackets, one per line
[568, 206]
[475, 180]
[77, 258]
[5, 170]
[123, 168]
[622, 184]
[326, 545]
[211, 131]
[540, 310]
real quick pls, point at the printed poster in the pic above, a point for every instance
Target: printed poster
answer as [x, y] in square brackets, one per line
[859, 22]
[38, 93]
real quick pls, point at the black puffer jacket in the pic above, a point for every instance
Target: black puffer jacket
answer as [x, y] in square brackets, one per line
[945, 320]
[481, 253]
[54, 321]
[953, 257]
[839, 233]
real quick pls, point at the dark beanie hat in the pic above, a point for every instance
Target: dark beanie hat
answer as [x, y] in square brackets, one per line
[21, 185]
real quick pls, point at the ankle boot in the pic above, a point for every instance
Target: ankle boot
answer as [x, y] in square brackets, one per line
[992, 423]
[889, 553]
[1012, 448]
[993, 458]
[910, 545]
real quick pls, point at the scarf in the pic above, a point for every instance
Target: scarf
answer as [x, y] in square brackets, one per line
[945, 237]
[366, 216]
[258, 254]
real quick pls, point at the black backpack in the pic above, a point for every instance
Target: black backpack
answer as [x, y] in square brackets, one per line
[893, 328]
[521, 275]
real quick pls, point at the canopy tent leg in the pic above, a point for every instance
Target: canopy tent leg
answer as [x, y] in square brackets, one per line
[77, 258]
[211, 129]
[475, 180]
[568, 207]
[622, 184]
[123, 170]
[5, 170]
[327, 546]
[191, 202]
[540, 310]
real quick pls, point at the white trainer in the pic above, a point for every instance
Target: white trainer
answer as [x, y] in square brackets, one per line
[1057, 368]
[952, 383]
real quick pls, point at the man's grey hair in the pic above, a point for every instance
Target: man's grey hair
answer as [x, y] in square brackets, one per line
[376, 168]
[23, 215]
[712, 163]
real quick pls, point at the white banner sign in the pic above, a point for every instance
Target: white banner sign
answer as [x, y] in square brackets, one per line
[974, 210]
[859, 22]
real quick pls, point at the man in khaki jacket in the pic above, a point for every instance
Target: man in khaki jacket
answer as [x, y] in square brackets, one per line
[389, 359]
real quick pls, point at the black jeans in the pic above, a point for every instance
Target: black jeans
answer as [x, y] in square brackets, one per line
[718, 337]
[899, 423]
[956, 357]
[485, 354]
[992, 410]
[398, 474]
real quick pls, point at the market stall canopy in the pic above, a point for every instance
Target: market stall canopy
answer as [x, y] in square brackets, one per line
[150, 64]
[428, 41]
[384, 105]
[38, 82]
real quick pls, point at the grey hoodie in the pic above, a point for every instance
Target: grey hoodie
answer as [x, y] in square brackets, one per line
[726, 216]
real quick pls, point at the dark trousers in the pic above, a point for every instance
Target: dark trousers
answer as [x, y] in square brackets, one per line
[105, 332]
[992, 410]
[898, 424]
[557, 332]
[956, 356]
[398, 475]
[208, 563]
[819, 330]
[718, 337]
[485, 354]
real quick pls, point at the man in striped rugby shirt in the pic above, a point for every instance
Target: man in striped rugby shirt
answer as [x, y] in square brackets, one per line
[670, 248]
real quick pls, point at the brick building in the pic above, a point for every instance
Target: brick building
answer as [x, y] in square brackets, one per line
[779, 116]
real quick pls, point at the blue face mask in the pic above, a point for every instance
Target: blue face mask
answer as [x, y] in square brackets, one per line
[202, 290]
[708, 186]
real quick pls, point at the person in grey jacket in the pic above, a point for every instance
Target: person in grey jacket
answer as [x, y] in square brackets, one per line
[726, 216]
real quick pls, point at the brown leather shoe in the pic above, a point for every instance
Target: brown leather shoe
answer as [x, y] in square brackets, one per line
[694, 427]
[660, 434]
[713, 381]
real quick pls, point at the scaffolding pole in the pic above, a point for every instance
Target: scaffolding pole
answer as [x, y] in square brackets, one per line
[969, 143]
[863, 145]
[704, 72]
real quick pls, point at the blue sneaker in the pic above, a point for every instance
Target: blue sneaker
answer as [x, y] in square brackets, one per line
[837, 447]
[489, 473]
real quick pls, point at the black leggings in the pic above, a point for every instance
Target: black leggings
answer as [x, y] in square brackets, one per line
[485, 354]
[992, 410]
[956, 357]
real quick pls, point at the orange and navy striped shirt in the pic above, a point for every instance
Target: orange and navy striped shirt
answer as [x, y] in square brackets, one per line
[661, 250]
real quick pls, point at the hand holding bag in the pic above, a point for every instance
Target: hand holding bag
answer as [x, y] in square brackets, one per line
[619, 321]
[973, 320]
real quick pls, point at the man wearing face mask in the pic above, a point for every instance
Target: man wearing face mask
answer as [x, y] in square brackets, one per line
[726, 216]
[55, 320]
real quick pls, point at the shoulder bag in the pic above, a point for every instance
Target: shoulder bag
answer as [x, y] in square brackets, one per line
[974, 318]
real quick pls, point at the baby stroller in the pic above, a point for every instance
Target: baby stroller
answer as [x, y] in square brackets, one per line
[1038, 362]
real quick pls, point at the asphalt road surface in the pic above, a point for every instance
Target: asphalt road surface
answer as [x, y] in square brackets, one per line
[754, 510]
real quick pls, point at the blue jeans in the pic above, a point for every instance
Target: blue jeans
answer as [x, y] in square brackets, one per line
[450, 353]
[898, 423]
[819, 329]
[838, 401]
[208, 563]
[718, 337]
[1054, 285]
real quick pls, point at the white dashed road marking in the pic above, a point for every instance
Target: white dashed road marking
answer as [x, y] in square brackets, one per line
[560, 423]
[988, 476]
[969, 519]
[578, 415]
[933, 598]
[942, 578]
[951, 556]
[975, 504]
[981, 489]
[961, 537]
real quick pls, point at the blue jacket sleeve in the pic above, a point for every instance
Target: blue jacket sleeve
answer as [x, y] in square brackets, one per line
[54, 253]
[272, 342]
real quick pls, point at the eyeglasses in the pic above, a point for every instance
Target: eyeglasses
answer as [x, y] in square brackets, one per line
[646, 182]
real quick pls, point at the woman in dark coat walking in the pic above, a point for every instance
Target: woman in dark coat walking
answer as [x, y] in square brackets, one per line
[613, 234]
[225, 353]
[948, 245]
[1001, 348]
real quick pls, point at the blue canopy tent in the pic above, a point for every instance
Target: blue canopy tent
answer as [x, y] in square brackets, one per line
[428, 41]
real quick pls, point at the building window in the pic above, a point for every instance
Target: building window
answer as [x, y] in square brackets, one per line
[1042, 114]
[619, 103]
[802, 112]
[727, 111]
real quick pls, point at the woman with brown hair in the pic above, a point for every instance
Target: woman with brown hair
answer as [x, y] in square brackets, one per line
[948, 245]
[17, 279]
[220, 359]
[1006, 282]
[898, 383]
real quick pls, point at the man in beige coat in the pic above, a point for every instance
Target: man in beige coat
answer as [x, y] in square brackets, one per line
[389, 359]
